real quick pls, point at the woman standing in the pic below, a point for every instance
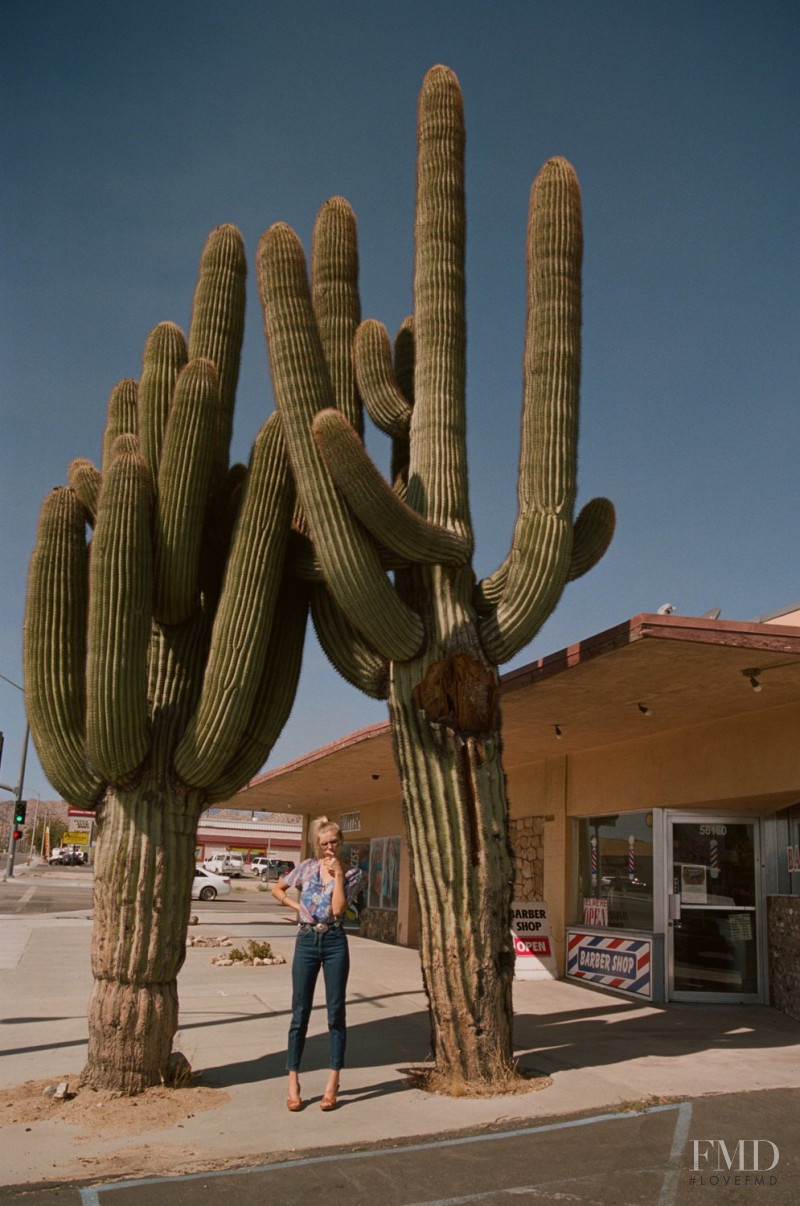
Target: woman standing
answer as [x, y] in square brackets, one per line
[326, 891]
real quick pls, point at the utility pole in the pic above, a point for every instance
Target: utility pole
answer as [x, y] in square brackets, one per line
[17, 789]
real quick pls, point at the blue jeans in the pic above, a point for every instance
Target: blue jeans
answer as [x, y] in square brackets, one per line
[330, 952]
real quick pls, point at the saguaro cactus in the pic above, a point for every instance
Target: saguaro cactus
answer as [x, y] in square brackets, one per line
[161, 664]
[430, 640]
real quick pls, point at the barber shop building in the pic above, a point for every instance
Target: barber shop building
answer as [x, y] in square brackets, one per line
[654, 792]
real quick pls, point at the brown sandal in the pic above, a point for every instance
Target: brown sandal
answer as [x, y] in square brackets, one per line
[293, 1104]
[328, 1102]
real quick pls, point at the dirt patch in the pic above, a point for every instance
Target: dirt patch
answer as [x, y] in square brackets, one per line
[102, 1112]
[508, 1084]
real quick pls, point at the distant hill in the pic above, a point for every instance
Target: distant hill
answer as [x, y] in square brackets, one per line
[236, 814]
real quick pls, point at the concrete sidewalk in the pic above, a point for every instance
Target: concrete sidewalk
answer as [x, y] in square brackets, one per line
[600, 1052]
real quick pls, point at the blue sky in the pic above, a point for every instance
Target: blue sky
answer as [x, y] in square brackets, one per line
[131, 130]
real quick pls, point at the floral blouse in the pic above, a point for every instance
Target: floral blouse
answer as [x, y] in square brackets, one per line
[315, 897]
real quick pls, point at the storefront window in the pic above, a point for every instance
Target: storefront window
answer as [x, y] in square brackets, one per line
[615, 871]
[356, 854]
[384, 873]
[788, 838]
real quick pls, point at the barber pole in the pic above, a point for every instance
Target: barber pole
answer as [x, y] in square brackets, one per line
[594, 864]
[713, 857]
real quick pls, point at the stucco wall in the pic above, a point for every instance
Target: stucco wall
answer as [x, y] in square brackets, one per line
[743, 758]
[783, 924]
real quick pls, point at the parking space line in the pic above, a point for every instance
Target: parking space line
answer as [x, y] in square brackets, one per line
[669, 1186]
[90, 1196]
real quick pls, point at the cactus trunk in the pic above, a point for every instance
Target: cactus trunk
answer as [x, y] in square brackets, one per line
[142, 886]
[455, 813]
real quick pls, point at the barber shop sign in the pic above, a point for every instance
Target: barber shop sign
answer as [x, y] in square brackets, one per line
[530, 929]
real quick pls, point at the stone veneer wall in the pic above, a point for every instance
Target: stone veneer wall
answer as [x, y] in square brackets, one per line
[783, 926]
[527, 842]
[378, 924]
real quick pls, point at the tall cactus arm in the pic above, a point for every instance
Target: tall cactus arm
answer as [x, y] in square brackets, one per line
[386, 405]
[346, 649]
[120, 612]
[221, 516]
[217, 325]
[303, 559]
[276, 690]
[594, 529]
[175, 679]
[438, 465]
[54, 648]
[121, 418]
[375, 504]
[334, 295]
[539, 567]
[548, 455]
[164, 357]
[592, 534]
[541, 555]
[85, 480]
[183, 481]
[404, 358]
[244, 616]
[302, 387]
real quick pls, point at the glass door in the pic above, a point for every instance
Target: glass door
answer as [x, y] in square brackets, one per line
[714, 940]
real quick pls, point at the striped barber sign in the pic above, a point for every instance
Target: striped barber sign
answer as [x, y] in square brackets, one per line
[621, 963]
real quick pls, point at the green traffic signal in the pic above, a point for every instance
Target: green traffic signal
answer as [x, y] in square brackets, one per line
[19, 812]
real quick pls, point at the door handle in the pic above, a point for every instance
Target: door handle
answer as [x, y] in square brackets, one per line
[674, 906]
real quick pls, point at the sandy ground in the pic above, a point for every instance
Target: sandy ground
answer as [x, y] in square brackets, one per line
[102, 1112]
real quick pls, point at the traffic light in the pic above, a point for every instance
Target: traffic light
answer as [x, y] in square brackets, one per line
[19, 813]
[17, 835]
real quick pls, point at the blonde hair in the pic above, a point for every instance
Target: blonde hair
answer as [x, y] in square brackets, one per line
[319, 826]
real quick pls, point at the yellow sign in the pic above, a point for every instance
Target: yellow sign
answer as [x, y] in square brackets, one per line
[77, 838]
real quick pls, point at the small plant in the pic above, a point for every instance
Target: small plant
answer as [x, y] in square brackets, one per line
[254, 950]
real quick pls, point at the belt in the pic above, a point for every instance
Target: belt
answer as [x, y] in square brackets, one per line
[319, 927]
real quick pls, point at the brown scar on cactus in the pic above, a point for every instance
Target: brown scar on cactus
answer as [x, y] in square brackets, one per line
[460, 693]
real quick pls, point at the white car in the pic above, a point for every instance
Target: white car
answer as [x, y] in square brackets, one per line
[225, 864]
[208, 886]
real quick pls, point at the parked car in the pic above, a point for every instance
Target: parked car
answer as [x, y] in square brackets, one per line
[225, 864]
[272, 868]
[208, 886]
[67, 856]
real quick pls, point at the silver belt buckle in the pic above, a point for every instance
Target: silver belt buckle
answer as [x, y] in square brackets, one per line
[321, 927]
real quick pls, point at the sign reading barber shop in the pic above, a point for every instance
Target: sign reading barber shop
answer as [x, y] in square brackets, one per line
[624, 964]
[530, 929]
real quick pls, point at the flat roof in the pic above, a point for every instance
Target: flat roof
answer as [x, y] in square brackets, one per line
[683, 670]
